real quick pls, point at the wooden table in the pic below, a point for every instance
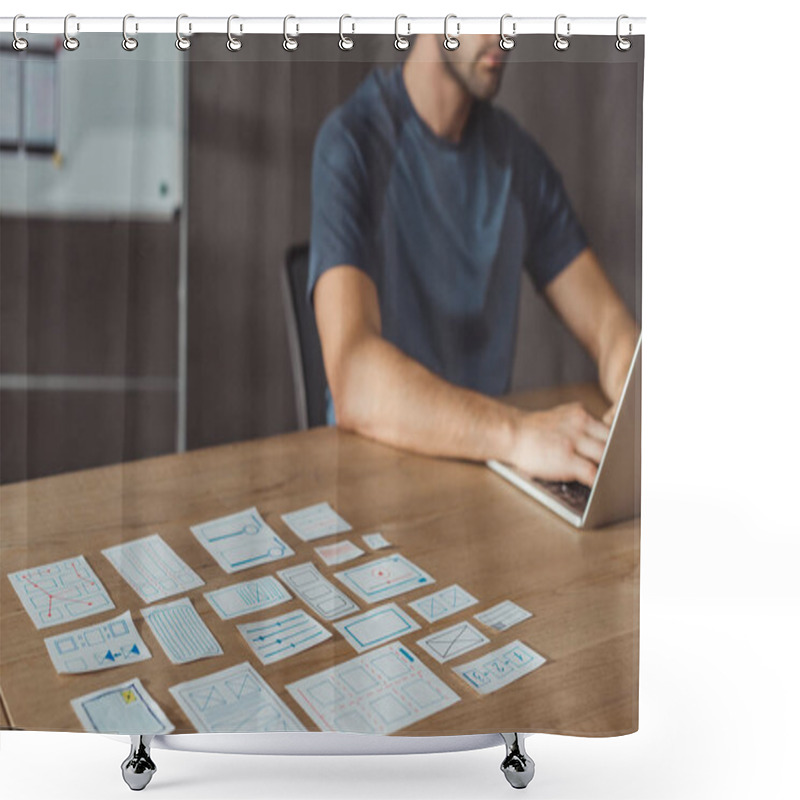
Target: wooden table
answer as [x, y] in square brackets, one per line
[5, 723]
[458, 521]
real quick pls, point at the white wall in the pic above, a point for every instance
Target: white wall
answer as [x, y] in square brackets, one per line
[120, 124]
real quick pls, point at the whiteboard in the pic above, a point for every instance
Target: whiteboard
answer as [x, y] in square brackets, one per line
[120, 131]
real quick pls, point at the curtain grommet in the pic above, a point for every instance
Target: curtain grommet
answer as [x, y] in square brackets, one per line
[561, 42]
[401, 42]
[451, 42]
[345, 42]
[19, 44]
[507, 41]
[181, 42]
[129, 43]
[290, 43]
[234, 44]
[71, 43]
[622, 44]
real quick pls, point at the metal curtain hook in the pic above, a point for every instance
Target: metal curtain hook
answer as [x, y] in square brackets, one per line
[129, 43]
[233, 44]
[451, 42]
[561, 42]
[289, 42]
[70, 42]
[622, 44]
[400, 42]
[507, 42]
[181, 42]
[345, 42]
[19, 43]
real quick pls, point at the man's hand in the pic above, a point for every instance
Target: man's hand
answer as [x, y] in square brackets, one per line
[608, 417]
[563, 444]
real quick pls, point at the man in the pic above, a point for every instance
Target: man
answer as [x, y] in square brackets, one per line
[427, 201]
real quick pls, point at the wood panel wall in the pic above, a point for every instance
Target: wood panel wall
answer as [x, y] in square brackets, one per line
[85, 300]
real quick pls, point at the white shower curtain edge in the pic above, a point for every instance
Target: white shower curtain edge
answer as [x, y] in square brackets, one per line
[318, 743]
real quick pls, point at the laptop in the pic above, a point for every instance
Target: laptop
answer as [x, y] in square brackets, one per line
[615, 494]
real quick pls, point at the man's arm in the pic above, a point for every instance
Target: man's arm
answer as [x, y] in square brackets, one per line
[587, 302]
[381, 393]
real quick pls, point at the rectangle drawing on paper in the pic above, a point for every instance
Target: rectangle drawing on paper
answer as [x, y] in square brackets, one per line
[181, 633]
[500, 667]
[280, 637]
[113, 643]
[375, 541]
[234, 700]
[240, 541]
[152, 568]
[338, 552]
[60, 592]
[443, 603]
[245, 598]
[381, 691]
[452, 642]
[376, 626]
[503, 615]
[315, 522]
[125, 708]
[317, 592]
[384, 577]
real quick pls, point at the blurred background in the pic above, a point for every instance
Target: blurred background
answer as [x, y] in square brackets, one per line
[148, 201]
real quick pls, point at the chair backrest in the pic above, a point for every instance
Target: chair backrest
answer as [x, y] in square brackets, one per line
[308, 370]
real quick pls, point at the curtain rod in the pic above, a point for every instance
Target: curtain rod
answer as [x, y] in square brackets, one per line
[298, 25]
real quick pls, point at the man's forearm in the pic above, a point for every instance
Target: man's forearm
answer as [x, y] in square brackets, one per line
[386, 395]
[615, 352]
[590, 306]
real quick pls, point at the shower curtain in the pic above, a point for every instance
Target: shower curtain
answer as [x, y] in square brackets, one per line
[264, 312]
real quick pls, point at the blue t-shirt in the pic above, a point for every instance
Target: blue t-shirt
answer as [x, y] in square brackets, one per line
[443, 229]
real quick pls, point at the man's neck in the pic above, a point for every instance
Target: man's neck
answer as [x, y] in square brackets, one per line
[436, 94]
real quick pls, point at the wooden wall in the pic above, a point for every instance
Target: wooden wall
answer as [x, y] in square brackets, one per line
[253, 121]
[87, 311]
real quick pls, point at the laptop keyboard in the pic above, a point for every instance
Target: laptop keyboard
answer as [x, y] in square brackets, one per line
[571, 493]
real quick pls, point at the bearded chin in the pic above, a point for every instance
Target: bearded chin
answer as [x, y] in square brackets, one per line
[470, 83]
[485, 90]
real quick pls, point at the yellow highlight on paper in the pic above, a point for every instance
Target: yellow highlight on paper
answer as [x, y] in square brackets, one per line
[128, 696]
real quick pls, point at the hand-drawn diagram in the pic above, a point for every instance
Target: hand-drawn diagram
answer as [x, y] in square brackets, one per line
[234, 700]
[375, 541]
[443, 603]
[316, 592]
[503, 615]
[126, 708]
[240, 541]
[152, 568]
[381, 692]
[376, 626]
[338, 552]
[500, 667]
[60, 592]
[384, 577]
[244, 598]
[280, 637]
[113, 643]
[315, 522]
[452, 642]
[181, 633]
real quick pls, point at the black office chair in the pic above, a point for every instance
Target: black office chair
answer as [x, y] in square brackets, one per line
[308, 370]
